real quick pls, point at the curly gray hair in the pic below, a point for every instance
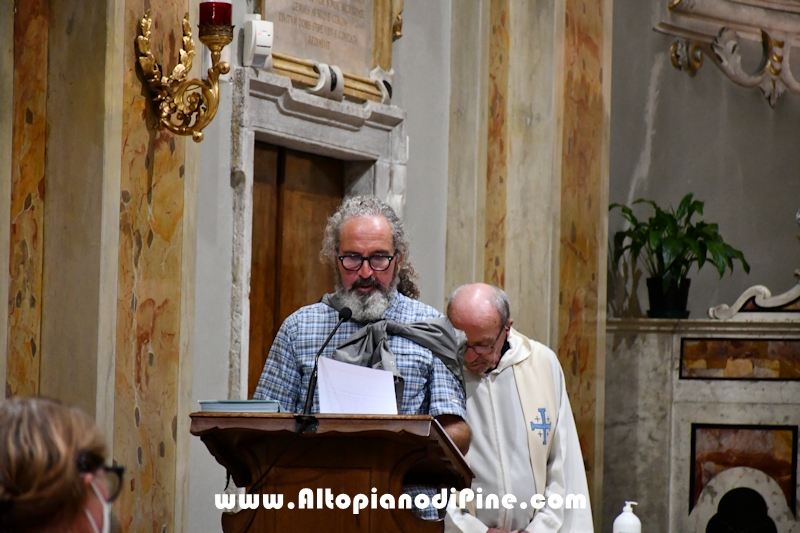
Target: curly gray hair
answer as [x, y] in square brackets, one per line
[364, 206]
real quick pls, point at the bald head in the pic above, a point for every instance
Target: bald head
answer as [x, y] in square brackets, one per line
[482, 312]
[480, 300]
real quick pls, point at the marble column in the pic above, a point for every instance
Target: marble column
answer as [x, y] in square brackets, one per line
[584, 221]
[6, 158]
[149, 416]
[467, 146]
[29, 120]
[528, 178]
[98, 226]
[58, 271]
[76, 336]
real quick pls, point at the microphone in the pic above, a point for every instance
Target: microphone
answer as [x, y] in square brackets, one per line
[344, 315]
[305, 423]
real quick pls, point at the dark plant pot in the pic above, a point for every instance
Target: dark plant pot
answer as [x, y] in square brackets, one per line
[669, 303]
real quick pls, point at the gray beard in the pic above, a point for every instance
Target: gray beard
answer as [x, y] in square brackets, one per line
[370, 308]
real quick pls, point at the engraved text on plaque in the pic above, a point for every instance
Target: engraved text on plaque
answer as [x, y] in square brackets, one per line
[337, 32]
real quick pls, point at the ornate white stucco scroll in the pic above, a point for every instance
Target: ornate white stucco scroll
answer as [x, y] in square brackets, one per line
[715, 28]
[768, 307]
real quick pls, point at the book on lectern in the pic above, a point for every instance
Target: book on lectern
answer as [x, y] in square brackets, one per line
[240, 406]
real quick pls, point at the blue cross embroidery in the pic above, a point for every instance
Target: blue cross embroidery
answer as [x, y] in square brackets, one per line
[543, 427]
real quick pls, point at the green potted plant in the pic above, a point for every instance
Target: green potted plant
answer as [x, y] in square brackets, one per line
[669, 243]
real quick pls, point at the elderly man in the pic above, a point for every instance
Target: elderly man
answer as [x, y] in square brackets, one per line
[525, 442]
[366, 245]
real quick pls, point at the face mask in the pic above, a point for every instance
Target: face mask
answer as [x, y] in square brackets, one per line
[106, 513]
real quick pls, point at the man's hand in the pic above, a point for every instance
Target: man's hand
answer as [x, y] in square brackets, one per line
[458, 430]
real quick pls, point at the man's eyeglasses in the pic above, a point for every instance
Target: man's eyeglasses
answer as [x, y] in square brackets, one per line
[89, 462]
[379, 263]
[486, 350]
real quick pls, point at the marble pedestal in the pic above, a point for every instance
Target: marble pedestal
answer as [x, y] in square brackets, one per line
[650, 410]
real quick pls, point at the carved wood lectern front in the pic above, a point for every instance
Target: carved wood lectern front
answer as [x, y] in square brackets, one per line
[346, 454]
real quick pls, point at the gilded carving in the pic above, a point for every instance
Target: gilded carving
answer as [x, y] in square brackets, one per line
[397, 27]
[397, 18]
[182, 109]
[715, 27]
[687, 56]
[773, 78]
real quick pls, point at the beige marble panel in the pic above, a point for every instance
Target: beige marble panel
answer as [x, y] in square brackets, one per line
[602, 267]
[187, 353]
[73, 214]
[149, 286]
[27, 197]
[637, 428]
[115, 60]
[582, 215]
[466, 190]
[533, 200]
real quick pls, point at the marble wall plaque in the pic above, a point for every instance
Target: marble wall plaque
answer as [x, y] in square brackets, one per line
[336, 32]
[775, 359]
[769, 449]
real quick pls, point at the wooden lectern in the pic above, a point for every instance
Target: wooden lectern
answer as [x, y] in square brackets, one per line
[348, 454]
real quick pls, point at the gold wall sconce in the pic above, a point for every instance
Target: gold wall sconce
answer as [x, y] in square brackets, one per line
[187, 106]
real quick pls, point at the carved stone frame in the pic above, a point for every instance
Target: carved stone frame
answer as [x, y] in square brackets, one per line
[369, 137]
[387, 27]
[714, 27]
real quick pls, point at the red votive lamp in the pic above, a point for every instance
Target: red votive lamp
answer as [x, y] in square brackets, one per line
[215, 13]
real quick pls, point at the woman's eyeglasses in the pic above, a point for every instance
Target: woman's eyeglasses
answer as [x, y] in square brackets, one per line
[89, 462]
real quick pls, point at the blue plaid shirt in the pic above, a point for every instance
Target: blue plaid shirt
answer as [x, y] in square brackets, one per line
[429, 387]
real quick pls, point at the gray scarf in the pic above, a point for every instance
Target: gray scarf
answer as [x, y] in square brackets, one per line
[369, 345]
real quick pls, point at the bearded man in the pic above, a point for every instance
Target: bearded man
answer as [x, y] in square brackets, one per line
[366, 245]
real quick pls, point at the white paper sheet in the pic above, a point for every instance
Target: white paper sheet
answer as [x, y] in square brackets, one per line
[355, 390]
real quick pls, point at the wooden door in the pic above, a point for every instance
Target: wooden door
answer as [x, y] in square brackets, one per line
[293, 195]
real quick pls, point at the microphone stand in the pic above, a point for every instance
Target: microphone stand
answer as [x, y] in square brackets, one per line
[306, 422]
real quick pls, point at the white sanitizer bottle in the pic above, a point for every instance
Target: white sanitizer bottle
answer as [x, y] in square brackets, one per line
[627, 522]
